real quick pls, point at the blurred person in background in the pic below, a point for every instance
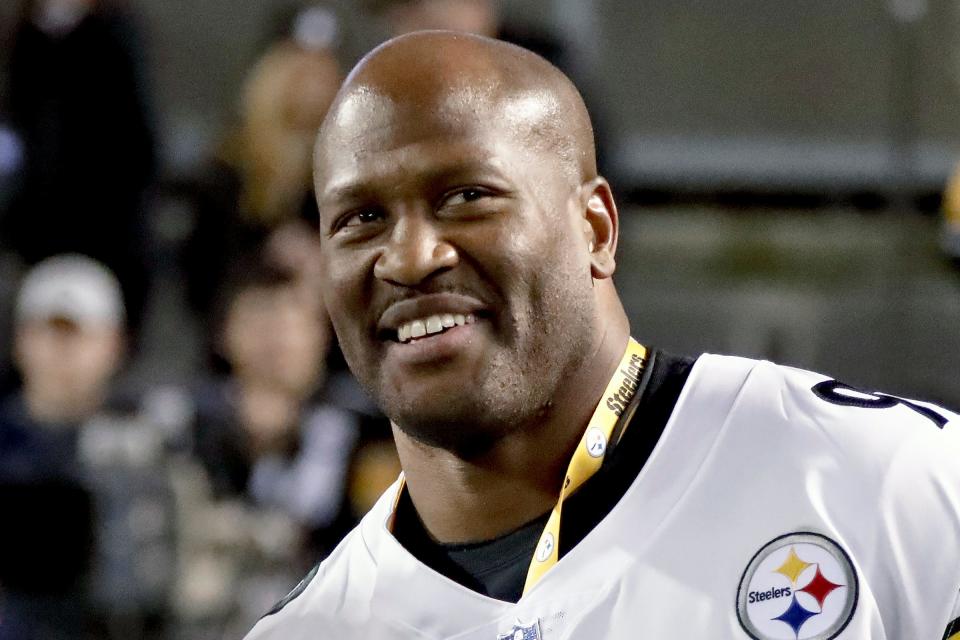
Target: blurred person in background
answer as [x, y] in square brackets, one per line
[484, 18]
[84, 545]
[259, 182]
[78, 103]
[481, 17]
[287, 463]
[68, 344]
[473, 16]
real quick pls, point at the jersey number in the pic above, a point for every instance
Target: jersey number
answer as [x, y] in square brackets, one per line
[833, 392]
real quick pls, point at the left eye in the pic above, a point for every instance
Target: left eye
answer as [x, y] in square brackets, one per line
[464, 196]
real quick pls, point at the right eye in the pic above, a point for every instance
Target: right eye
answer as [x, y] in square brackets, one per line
[363, 217]
[359, 218]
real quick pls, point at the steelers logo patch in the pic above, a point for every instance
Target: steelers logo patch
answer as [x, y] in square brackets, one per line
[545, 548]
[596, 442]
[800, 586]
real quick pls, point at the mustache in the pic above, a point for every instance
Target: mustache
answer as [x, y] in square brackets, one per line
[392, 294]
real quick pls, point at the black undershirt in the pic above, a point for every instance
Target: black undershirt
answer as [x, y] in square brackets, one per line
[498, 567]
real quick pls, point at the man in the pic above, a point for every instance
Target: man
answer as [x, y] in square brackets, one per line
[560, 480]
[68, 344]
[69, 338]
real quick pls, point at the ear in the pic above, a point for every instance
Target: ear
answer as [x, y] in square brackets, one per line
[601, 226]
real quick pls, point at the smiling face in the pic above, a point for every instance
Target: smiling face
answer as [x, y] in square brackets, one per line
[456, 270]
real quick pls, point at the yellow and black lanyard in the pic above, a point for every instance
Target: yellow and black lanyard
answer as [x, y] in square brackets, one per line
[953, 629]
[588, 457]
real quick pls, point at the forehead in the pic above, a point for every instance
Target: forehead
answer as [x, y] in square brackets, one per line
[373, 132]
[263, 298]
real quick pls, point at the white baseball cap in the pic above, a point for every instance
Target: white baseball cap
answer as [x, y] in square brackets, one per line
[73, 287]
[315, 28]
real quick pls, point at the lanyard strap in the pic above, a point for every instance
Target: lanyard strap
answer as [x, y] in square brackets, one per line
[587, 458]
[589, 454]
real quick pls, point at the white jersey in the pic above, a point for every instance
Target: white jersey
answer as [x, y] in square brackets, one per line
[777, 505]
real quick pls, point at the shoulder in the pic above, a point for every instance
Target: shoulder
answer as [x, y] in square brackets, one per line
[819, 401]
[333, 590]
[338, 591]
[874, 437]
[900, 454]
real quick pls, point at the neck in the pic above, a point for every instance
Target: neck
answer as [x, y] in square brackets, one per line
[519, 478]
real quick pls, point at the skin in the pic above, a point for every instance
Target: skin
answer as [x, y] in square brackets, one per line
[66, 367]
[457, 173]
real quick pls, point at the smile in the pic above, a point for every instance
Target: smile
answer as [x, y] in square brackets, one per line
[431, 325]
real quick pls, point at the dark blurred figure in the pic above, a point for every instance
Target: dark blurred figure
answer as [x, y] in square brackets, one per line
[11, 162]
[86, 546]
[68, 345]
[77, 101]
[260, 183]
[282, 454]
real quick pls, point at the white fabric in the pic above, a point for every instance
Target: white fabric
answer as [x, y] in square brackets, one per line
[750, 453]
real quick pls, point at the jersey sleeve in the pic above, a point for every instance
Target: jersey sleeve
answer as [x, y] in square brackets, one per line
[902, 457]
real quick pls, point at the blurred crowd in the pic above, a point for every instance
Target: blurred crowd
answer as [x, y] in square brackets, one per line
[186, 510]
[179, 510]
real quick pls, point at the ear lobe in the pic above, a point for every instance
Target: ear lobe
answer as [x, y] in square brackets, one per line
[601, 227]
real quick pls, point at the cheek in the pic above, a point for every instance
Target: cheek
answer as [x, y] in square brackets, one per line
[88, 361]
[345, 286]
[538, 257]
[337, 287]
[553, 287]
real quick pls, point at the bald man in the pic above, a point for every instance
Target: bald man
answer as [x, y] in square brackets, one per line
[560, 480]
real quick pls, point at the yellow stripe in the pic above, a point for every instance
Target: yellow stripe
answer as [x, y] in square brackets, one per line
[955, 636]
[589, 453]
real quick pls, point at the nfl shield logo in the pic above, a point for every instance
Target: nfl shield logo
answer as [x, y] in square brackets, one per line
[522, 631]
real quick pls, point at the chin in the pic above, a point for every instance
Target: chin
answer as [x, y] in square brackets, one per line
[457, 429]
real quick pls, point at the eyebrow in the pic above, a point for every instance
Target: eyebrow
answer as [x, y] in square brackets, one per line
[362, 189]
[349, 191]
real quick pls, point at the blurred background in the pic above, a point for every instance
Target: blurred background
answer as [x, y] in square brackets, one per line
[180, 439]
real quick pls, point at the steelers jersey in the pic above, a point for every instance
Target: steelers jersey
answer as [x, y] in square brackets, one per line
[778, 504]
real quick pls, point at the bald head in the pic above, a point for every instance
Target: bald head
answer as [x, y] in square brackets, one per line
[463, 81]
[455, 176]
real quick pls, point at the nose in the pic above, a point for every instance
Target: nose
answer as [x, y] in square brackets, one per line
[414, 252]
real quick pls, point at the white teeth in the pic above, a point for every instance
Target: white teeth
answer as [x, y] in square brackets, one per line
[417, 329]
[432, 324]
